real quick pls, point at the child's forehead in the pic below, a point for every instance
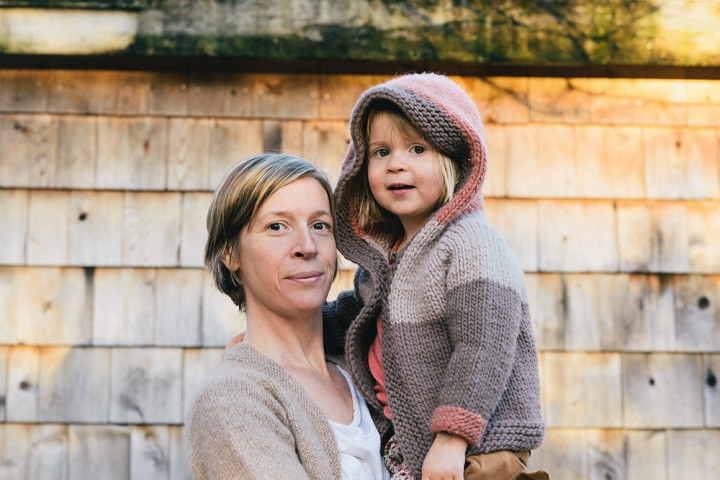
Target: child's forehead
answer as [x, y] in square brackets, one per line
[394, 123]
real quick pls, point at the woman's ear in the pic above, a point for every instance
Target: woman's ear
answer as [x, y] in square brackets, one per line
[228, 259]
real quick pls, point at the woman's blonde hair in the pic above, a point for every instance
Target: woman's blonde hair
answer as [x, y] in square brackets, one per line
[236, 201]
[370, 213]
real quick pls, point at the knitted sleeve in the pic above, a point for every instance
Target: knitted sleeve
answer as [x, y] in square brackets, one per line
[485, 305]
[338, 314]
[234, 432]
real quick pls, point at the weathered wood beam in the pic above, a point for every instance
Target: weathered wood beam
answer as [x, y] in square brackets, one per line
[681, 33]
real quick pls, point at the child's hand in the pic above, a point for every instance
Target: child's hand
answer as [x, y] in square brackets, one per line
[446, 458]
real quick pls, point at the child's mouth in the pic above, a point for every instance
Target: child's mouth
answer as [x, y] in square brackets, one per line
[399, 187]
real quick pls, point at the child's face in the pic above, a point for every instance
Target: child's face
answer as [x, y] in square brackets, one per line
[403, 173]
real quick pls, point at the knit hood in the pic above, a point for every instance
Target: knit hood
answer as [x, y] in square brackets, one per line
[447, 117]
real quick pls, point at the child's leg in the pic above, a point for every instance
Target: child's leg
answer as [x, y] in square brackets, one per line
[394, 460]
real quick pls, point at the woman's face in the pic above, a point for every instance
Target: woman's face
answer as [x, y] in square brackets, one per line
[287, 252]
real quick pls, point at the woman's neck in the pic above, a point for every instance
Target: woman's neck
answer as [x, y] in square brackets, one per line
[292, 343]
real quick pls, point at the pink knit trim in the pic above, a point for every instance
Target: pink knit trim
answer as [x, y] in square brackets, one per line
[459, 421]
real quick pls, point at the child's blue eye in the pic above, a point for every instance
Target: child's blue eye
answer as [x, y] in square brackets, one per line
[381, 152]
[417, 149]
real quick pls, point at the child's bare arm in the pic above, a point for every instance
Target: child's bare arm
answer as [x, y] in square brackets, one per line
[446, 458]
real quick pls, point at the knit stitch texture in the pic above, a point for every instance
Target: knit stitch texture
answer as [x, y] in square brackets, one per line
[458, 348]
[252, 420]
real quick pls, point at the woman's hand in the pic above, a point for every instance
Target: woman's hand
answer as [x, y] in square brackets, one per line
[235, 340]
[446, 458]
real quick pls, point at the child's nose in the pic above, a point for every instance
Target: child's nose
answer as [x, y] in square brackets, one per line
[396, 163]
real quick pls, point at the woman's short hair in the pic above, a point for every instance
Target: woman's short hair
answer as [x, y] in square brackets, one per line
[236, 201]
[370, 213]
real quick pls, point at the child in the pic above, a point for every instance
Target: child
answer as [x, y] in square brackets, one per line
[438, 335]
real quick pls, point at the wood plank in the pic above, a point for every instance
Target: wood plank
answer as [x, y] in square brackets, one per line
[339, 93]
[221, 319]
[14, 206]
[223, 94]
[292, 138]
[22, 389]
[193, 231]
[74, 385]
[57, 314]
[3, 384]
[563, 100]
[546, 294]
[325, 145]
[610, 162]
[198, 365]
[499, 99]
[179, 464]
[146, 386]
[131, 153]
[694, 453]
[169, 93]
[124, 307]
[151, 229]
[711, 390]
[178, 307]
[542, 162]
[563, 454]
[29, 150]
[517, 221]
[569, 230]
[623, 101]
[703, 226]
[47, 457]
[652, 237]
[120, 93]
[607, 456]
[287, 96]
[94, 221]
[47, 240]
[14, 444]
[681, 163]
[703, 102]
[697, 301]
[232, 141]
[655, 384]
[149, 452]
[69, 92]
[647, 454]
[588, 396]
[77, 149]
[24, 90]
[99, 452]
[499, 147]
[189, 154]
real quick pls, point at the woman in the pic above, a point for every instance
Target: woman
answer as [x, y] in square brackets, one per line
[277, 408]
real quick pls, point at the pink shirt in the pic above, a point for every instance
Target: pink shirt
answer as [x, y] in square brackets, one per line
[377, 370]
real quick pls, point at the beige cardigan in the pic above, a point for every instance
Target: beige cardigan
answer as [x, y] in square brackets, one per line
[252, 420]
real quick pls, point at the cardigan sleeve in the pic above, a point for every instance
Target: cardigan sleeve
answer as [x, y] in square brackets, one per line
[484, 308]
[237, 433]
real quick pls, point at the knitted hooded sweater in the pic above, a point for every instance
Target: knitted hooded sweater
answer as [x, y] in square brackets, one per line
[457, 347]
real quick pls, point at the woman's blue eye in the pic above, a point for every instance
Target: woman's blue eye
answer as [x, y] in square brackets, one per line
[275, 227]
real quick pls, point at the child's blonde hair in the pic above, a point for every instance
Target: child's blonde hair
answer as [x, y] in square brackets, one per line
[370, 213]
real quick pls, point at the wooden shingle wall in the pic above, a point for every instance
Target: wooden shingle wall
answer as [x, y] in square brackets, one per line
[608, 191]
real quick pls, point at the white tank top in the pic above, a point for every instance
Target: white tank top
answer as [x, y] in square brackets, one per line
[359, 442]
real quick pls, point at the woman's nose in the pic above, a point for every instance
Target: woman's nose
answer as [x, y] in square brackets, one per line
[305, 246]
